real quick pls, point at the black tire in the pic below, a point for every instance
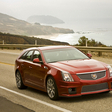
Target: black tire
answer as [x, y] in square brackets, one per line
[52, 90]
[19, 81]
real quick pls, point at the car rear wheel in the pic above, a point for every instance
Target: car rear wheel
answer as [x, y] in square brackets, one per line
[52, 90]
[19, 81]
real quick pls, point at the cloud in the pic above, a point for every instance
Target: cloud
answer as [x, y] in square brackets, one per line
[64, 9]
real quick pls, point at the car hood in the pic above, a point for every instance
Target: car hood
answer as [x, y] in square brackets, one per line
[79, 66]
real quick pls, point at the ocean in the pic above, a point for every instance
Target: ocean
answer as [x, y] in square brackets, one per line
[98, 29]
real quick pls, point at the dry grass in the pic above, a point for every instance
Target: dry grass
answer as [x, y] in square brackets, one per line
[106, 57]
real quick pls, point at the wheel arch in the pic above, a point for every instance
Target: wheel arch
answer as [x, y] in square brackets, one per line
[49, 75]
[16, 71]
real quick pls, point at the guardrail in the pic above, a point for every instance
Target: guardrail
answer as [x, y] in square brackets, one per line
[82, 48]
[95, 49]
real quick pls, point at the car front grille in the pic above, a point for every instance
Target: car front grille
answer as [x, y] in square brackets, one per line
[89, 76]
[95, 87]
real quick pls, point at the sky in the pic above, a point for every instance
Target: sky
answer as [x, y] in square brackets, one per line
[66, 10]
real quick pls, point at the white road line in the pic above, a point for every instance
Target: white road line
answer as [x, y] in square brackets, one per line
[36, 100]
[9, 53]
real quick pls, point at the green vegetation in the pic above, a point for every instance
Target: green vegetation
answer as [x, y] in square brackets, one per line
[92, 42]
[17, 39]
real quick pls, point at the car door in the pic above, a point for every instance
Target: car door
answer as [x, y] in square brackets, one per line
[26, 66]
[37, 71]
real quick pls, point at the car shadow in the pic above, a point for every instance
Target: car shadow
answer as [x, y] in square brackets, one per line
[37, 91]
[89, 97]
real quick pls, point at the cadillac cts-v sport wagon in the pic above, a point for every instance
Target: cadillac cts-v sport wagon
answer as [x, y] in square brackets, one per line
[62, 71]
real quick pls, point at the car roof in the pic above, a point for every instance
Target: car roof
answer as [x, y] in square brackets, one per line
[48, 47]
[53, 47]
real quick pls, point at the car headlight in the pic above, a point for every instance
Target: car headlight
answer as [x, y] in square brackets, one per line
[110, 70]
[67, 76]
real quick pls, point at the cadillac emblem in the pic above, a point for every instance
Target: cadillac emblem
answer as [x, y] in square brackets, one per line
[94, 76]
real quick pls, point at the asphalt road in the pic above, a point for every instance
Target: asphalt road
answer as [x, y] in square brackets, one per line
[35, 100]
[8, 106]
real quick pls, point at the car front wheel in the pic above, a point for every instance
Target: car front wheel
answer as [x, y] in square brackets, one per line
[52, 90]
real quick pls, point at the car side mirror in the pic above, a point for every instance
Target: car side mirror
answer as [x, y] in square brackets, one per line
[89, 55]
[36, 60]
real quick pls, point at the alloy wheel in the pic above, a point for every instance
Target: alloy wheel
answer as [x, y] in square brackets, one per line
[52, 89]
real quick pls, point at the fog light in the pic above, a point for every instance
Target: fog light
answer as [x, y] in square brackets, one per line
[72, 90]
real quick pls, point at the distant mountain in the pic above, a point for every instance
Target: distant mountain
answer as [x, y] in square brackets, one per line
[9, 24]
[44, 19]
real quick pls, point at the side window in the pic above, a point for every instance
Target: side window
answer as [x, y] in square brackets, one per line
[37, 55]
[28, 55]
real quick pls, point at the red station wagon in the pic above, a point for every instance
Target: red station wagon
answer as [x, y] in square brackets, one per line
[62, 71]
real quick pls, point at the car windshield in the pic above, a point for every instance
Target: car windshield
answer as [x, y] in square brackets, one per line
[64, 54]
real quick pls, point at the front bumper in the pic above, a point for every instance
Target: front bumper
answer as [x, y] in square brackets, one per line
[70, 89]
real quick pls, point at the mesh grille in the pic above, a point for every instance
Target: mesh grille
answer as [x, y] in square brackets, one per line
[95, 87]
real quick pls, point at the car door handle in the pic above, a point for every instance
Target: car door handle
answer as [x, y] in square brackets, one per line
[22, 64]
[30, 67]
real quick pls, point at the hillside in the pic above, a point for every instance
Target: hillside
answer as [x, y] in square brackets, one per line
[44, 19]
[9, 24]
[17, 39]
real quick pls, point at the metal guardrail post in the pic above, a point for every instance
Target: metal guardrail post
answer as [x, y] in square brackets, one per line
[99, 53]
[35, 42]
[3, 42]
